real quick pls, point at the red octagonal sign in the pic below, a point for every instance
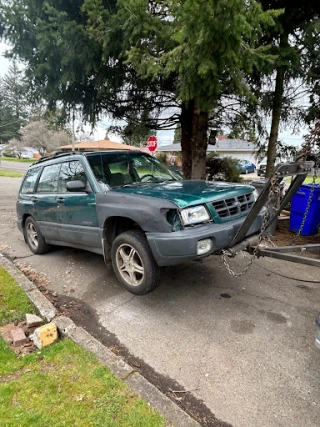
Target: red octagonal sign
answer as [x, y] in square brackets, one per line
[152, 143]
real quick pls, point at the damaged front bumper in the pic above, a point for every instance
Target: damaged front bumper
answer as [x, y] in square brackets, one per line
[176, 247]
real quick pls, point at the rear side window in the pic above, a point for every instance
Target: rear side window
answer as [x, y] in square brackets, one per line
[29, 181]
[71, 171]
[48, 182]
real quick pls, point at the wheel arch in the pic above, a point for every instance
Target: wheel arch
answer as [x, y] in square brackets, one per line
[112, 227]
[24, 218]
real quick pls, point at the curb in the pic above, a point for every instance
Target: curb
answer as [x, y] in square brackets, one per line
[67, 328]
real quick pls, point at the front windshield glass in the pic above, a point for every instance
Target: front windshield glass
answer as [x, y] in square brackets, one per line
[122, 169]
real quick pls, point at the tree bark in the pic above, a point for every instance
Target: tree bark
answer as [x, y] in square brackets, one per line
[199, 143]
[187, 111]
[276, 114]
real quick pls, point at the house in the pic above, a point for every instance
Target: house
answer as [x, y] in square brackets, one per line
[171, 151]
[236, 148]
[102, 145]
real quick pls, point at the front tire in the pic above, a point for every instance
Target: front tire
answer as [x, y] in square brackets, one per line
[133, 263]
[34, 238]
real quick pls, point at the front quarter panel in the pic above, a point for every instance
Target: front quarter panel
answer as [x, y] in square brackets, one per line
[148, 212]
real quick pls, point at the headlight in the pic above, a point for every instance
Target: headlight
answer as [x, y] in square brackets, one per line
[194, 215]
[255, 195]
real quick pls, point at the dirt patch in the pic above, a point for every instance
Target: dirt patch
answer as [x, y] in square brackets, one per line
[39, 279]
[284, 237]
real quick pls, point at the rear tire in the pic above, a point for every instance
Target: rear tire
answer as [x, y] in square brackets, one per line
[133, 263]
[34, 238]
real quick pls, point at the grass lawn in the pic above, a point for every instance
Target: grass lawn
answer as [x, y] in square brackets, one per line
[14, 303]
[308, 180]
[11, 174]
[15, 159]
[61, 385]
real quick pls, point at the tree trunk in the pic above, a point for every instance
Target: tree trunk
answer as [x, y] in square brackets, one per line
[276, 114]
[187, 111]
[199, 144]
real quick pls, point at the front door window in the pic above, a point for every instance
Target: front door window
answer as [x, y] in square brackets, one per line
[71, 171]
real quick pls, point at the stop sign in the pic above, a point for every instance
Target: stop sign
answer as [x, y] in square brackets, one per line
[152, 143]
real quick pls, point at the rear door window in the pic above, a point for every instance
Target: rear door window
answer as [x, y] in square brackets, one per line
[48, 182]
[29, 181]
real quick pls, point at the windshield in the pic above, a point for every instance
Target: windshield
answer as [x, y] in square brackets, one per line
[120, 169]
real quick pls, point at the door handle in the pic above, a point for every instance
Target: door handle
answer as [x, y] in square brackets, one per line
[34, 199]
[60, 200]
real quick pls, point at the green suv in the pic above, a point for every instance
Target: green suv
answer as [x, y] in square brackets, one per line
[131, 208]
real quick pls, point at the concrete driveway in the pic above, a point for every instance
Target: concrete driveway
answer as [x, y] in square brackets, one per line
[245, 346]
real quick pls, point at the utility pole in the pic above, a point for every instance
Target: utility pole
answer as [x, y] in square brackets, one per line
[73, 129]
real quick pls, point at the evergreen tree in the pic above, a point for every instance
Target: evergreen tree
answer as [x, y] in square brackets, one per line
[202, 48]
[130, 58]
[9, 124]
[290, 44]
[15, 92]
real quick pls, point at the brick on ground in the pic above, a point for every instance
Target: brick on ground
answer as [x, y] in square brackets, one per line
[18, 337]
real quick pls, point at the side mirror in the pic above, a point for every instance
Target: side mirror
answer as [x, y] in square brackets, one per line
[76, 186]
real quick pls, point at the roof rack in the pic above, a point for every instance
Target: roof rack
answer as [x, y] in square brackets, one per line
[57, 155]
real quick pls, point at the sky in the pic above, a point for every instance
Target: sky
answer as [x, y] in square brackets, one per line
[164, 137]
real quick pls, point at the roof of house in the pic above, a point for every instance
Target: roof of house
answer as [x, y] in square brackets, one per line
[221, 145]
[235, 145]
[177, 147]
[102, 145]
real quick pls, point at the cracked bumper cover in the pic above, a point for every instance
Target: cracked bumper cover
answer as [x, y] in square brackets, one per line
[176, 247]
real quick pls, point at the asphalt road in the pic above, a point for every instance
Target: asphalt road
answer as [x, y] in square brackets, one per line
[14, 166]
[245, 346]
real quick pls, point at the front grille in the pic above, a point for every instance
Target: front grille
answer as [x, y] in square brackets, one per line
[233, 205]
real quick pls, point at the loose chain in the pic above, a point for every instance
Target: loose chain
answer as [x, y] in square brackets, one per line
[273, 193]
[308, 205]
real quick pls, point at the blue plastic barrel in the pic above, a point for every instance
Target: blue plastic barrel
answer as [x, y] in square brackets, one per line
[298, 208]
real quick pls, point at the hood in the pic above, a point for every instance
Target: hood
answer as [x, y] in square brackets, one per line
[187, 193]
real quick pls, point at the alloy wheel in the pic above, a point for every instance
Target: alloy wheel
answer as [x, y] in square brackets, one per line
[130, 265]
[32, 235]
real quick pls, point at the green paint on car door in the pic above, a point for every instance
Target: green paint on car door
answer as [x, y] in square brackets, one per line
[76, 211]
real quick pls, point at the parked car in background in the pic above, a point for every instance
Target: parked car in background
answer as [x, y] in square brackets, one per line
[262, 167]
[246, 167]
[261, 171]
[132, 209]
